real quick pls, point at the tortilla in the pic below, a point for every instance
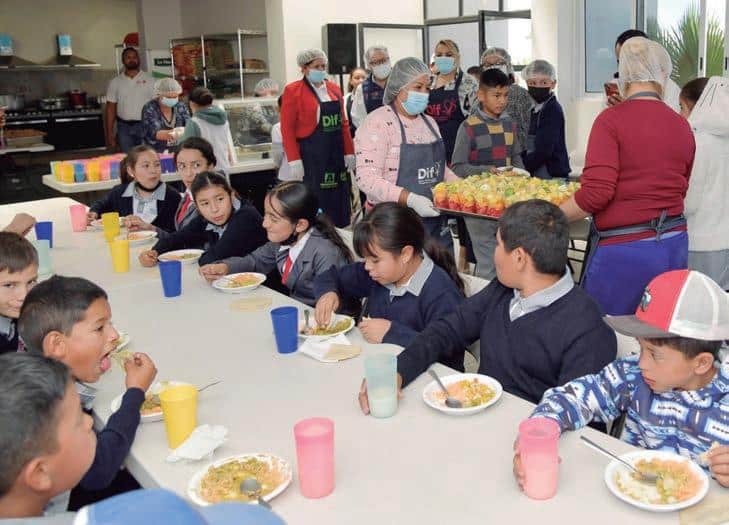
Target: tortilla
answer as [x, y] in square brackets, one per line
[341, 352]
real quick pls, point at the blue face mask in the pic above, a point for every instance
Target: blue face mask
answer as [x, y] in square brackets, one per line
[316, 76]
[445, 65]
[415, 103]
[169, 102]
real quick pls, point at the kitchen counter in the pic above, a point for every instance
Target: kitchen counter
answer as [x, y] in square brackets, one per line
[34, 148]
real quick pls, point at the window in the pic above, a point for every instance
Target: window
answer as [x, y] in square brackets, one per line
[675, 25]
[716, 51]
[464, 34]
[441, 9]
[604, 21]
[511, 33]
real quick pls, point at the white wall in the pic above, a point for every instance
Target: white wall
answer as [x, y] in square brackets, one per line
[222, 16]
[159, 21]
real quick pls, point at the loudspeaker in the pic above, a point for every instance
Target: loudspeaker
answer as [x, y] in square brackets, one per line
[340, 44]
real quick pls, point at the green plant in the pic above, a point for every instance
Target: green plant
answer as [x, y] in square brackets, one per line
[682, 43]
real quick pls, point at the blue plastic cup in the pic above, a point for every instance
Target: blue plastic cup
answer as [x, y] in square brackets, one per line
[171, 274]
[79, 172]
[285, 325]
[44, 230]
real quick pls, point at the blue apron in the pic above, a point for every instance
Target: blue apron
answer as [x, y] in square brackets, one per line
[445, 108]
[372, 94]
[322, 154]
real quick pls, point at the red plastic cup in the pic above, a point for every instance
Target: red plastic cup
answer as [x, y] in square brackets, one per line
[78, 217]
[315, 456]
[539, 451]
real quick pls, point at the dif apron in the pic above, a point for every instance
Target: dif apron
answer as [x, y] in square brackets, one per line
[372, 94]
[445, 108]
[531, 145]
[322, 153]
[421, 167]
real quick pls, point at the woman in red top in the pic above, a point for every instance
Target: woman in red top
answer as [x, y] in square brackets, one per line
[636, 174]
[316, 136]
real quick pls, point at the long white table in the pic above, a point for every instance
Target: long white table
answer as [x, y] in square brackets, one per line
[417, 467]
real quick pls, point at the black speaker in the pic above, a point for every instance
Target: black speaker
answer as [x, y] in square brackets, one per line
[340, 44]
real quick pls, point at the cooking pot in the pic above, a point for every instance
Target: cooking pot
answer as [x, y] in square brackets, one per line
[77, 98]
[53, 103]
[12, 102]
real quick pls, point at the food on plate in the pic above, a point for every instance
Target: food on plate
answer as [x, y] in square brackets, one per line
[239, 281]
[151, 405]
[223, 483]
[337, 327]
[178, 257]
[470, 392]
[677, 481]
[138, 236]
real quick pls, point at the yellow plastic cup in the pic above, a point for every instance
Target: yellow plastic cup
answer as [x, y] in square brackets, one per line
[93, 171]
[110, 222]
[67, 172]
[179, 408]
[120, 255]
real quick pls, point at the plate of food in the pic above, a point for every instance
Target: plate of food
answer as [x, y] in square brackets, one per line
[141, 237]
[99, 225]
[512, 171]
[681, 483]
[340, 324]
[151, 409]
[184, 256]
[476, 392]
[239, 282]
[220, 481]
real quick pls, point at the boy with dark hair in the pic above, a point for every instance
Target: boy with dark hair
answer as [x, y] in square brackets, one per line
[486, 140]
[537, 330]
[69, 319]
[675, 395]
[18, 274]
[46, 441]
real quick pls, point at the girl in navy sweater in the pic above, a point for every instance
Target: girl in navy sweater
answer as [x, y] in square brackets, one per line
[407, 280]
[225, 227]
[141, 193]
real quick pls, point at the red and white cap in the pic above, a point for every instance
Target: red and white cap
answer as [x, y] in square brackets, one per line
[679, 303]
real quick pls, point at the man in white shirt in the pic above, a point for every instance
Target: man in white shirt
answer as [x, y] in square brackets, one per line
[126, 95]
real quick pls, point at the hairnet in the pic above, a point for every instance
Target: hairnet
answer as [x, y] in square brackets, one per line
[503, 53]
[540, 68]
[642, 60]
[265, 84]
[167, 85]
[374, 49]
[403, 73]
[309, 55]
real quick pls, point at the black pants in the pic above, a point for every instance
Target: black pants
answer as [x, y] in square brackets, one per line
[123, 482]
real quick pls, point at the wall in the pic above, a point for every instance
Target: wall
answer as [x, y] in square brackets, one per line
[159, 21]
[222, 16]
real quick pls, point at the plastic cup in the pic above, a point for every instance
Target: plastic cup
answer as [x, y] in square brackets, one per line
[66, 172]
[110, 222]
[114, 169]
[105, 169]
[171, 274]
[120, 255]
[539, 451]
[79, 171]
[44, 230]
[43, 248]
[55, 171]
[78, 217]
[381, 375]
[179, 409]
[93, 170]
[315, 456]
[285, 325]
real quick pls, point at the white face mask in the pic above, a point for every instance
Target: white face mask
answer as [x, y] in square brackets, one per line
[382, 71]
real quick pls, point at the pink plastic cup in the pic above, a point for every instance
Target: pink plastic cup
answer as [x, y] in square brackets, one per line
[539, 451]
[315, 456]
[78, 217]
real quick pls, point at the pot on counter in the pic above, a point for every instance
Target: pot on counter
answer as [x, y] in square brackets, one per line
[50, 103]
[12, 102]
[77, 98]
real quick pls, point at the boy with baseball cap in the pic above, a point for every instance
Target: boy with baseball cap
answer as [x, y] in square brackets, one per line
[675, 394]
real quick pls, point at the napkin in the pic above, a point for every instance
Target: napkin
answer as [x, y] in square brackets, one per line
[201, 444]
[713, 510]
[330, 350]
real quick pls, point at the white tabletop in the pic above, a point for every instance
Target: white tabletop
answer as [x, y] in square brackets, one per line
[35, 148]
[418, 467]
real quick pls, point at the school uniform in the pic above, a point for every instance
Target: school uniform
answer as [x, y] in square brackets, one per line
[429, 295]
[546, 150]
[311, 256]
[242, 234]
[8, 335]
[158, 209]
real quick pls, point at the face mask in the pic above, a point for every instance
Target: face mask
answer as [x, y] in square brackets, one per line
[382, 71]
[445, 65]
[316, 76]
[416, 103]
[169, 102]
[540, 94]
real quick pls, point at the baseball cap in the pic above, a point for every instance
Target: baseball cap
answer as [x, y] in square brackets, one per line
[679, 303]
[163, 506]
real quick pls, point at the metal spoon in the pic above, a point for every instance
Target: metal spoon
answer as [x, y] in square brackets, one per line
[251, 488]
[451, 402]
[643, 476]
[306, 320]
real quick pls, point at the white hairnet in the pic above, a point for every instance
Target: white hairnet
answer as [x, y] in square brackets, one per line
[501, 52]
[642, 60]
[309, 55]
[265, 84]
[167, 85]
[539, 68]
[374, 49]
[403, 73]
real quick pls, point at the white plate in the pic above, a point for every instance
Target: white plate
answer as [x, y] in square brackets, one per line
[337, 318]
[615, 468]
[99, 225]
[170, 256]
[194, 484]
[141, 237]
[517, 171]
[156, 388]
[123, 341]
[432, 388]
[219, 284]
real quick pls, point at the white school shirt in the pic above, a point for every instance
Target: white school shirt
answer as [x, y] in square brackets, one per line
[130, 94]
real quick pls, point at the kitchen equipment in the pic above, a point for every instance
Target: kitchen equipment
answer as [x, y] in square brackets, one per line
[53, 103]
[77, 99]
[76, 129]
[12, 102]
[33, 121]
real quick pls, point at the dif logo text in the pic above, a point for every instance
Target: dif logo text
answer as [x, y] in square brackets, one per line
[429, 175]
[331, 122]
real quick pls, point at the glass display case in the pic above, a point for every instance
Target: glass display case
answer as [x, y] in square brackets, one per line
[250, 121]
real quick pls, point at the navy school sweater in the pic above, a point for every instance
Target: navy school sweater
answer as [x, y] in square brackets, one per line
[537, 351]
[409, 314]
[166, 209]
[9, 344]
[550, 145]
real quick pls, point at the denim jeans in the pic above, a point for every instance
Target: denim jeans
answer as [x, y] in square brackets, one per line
[128, 135]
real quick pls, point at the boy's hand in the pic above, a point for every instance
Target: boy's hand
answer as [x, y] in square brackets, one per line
[148, 258]
[364, 403]
[140, 372]
[325, 307]
[374, 330]
[135, 224]
[213, 272]
[21, 224]
[719, 465]
[91, 217]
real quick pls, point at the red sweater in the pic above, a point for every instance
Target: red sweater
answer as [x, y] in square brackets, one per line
[300, 117]
[638, 163]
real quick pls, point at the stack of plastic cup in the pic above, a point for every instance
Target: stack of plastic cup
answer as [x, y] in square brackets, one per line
[54, 169]
[78, 217]
[114, 169]
[93, 170]
[179, 409]
[66, 172]
[79, 171]
[539, 451]
[168, 163]
[381, 375]
[110, 222]
[315, 456]
[105, 169]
